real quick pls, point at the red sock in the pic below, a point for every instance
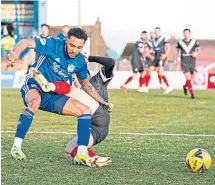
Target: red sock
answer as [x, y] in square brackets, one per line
[128, 80]
[142, 80]
[148, 79]
[62, 87]
[190, 88]
[160, 79]
[185, 85]
[91, 153]
[165, 80]
[74, 152]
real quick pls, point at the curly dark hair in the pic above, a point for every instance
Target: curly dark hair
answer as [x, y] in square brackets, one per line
[78, 33]
[187, 29]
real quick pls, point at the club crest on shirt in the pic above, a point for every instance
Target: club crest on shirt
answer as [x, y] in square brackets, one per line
[43, 41]
[71, 68]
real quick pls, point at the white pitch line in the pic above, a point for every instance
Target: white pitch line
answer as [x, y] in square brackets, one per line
[41, 132]
[166, 134]
[122, 133]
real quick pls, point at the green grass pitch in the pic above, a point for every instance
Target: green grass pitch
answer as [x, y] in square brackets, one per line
[137, 159]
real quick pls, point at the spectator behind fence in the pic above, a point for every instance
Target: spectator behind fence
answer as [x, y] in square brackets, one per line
[64, 33]
[7, 43]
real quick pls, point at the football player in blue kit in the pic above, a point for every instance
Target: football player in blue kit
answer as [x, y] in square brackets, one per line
[58, 60]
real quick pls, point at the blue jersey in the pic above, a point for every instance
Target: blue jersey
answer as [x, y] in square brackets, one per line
[61, 36]
[55, 64]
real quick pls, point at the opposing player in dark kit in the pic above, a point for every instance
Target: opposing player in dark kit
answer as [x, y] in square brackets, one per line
[100, 113]
[136, 63]
[188, 50]
[161, 49]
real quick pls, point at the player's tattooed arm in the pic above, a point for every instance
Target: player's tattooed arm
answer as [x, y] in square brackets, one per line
[89, 89]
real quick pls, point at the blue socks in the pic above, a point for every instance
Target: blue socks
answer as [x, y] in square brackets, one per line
[24, 123]
[84, 129]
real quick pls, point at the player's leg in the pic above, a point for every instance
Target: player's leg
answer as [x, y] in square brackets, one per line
[75, 108]
[148, 77]
[99, 132]
[124, 86]
[185, 85]
[188, 68]
[32, 100]
[188, 84]
[161, 77]
[142, 72]
[142, 81]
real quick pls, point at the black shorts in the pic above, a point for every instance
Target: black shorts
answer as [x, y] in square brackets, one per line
[100, 124]
[101, 118]
[137, 67]
[158, 63]
[149, 63]
[188, 65]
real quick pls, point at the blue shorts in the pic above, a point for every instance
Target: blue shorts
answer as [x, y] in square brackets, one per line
[50, 102]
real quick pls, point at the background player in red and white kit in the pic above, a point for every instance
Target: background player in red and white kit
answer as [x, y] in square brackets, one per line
[161, 49]
[189, 49]
[136, 63]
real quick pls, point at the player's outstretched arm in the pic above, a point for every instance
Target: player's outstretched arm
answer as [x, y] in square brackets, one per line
[107, 62]
[20, 47]
[89, 89]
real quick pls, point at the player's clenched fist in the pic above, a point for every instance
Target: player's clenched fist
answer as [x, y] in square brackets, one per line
[110, 107]
[13, 57]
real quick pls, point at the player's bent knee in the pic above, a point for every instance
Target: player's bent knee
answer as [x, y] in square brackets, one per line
[34, 104]
[134, 75]
[160, 73]
[74, 107]
[86, 110]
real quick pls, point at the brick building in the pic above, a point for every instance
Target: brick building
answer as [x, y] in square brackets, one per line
[95, 44]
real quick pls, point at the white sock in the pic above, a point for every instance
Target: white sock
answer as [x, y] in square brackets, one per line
[18, 142]
[52, 86]
[82, 149]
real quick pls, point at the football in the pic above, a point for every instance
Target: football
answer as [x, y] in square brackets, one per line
[198, 160]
